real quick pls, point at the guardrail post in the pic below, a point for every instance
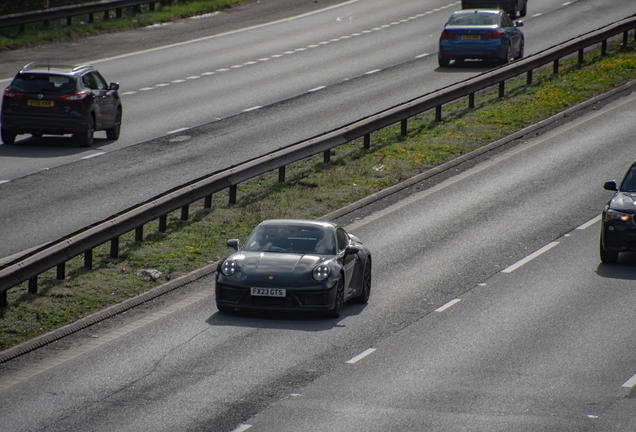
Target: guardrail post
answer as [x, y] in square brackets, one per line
[438, 113]
[69, 21]
[281, 174]
[403, 128]
[232, 194]
[502, 89]
[163, 223]
[33, 285]
[625, 38]
[184, 212]
[118, 13]
[114, 248]
[3, 300]
[207, 202]
[471, 100]
[91, 18]
[139, 233]
[367, 141]
[106, 15]
[326, 156]
[555, 66]
[604, 48]
[60, 273]
[88, 259]
[581, 56]
[151, 6]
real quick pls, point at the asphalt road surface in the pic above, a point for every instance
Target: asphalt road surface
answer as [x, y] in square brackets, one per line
[490, 311]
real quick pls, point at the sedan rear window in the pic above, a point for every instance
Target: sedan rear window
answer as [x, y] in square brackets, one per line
[472, 20]
[43, 82]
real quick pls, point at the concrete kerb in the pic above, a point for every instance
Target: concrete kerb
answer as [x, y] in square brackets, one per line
[167, 287]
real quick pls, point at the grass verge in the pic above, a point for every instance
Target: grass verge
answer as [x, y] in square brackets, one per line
[13, 38]
[312, 189]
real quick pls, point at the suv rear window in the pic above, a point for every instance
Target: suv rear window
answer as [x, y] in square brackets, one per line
[43, 82]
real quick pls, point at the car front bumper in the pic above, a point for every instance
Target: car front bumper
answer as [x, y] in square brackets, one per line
[296, 299]
[619, 237]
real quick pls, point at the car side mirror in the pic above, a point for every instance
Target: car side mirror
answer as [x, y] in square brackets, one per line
[351, 250]
[518, 23]
[610, 185]
[113, 86]
[234, 244]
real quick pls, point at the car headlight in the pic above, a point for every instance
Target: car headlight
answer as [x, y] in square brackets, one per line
[229, 267]
[321, 272]
[613, 215]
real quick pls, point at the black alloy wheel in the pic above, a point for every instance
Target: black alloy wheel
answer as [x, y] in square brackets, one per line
[607, 257]
[85, 139]
[507, 59]
[443, 62]
[366, 283]
[521, 49]
[8, 138]
[113, 133]
[339, 303]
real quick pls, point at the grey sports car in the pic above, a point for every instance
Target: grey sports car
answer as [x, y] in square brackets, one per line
[295, 265]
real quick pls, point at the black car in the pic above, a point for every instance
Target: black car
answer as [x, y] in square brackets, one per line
[59, 100]
[618, 226]
[514, 8]
[295, 265]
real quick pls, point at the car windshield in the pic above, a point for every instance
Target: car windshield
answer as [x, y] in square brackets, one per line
[291, 239]
[629, 182]
[472, 20]
[38, 82]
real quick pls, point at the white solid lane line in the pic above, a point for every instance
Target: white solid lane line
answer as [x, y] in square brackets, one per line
[93, 155]
[360, 356]
[447, 305]
[630, 383]
[529, 257]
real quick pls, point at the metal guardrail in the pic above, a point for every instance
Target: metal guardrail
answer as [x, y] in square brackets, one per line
[68, 12]
[28, 267]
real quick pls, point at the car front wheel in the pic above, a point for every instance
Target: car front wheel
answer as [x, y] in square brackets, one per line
[608, 257]
[366, 283]
[113, 133]
[339, 303]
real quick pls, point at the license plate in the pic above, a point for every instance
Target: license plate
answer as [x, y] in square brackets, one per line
[268, 292]
[40, 103]
[471, 37]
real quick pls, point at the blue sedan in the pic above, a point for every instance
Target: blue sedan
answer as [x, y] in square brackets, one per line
[483, 34]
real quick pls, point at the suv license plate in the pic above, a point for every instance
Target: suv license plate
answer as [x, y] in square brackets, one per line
[41, 103]
[268, 292]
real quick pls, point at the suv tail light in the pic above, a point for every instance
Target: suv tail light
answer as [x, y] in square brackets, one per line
[494, 35]
[77, 97]
[447, 35]
[11, 94]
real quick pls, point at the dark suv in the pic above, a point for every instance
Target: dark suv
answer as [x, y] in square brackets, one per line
[59, 100]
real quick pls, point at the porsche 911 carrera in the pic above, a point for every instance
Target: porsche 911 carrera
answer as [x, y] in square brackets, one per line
[294, 265]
